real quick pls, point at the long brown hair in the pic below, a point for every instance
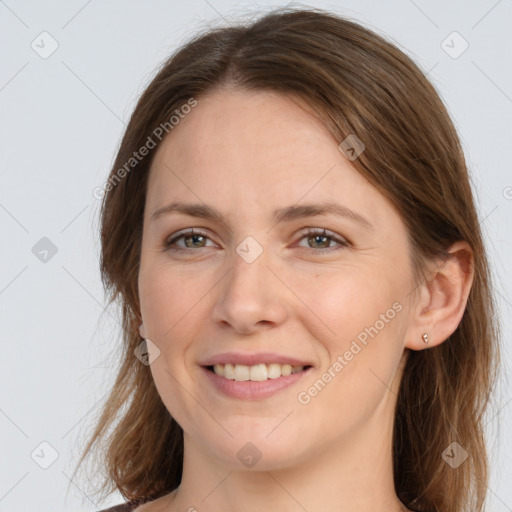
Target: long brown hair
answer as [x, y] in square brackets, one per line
[362, 85]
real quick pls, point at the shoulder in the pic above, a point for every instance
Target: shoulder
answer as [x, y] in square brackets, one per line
[124, 507]
[143, 504]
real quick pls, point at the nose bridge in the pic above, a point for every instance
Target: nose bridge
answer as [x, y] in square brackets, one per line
[250, 293]
[249, 264]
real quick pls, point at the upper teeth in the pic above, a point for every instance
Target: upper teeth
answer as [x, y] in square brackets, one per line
[258, 372]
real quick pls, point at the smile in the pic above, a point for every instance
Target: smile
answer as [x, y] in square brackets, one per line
[253, 382]
[256, 373]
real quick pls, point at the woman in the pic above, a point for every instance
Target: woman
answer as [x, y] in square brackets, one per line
[307, 312]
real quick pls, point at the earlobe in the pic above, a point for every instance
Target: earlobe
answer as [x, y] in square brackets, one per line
[442, 299]
[142, 331]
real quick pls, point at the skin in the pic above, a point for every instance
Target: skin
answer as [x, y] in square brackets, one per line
[246, 154]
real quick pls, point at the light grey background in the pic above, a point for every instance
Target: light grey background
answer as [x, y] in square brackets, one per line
[62, 119]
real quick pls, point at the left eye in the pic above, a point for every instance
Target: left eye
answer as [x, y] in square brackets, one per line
[322, 240]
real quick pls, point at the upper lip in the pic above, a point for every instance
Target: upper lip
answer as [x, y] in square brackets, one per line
[253, 359]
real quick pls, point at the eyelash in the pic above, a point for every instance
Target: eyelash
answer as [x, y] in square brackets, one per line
[168, 244]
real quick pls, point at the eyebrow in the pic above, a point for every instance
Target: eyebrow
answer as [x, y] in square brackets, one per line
[287, 214]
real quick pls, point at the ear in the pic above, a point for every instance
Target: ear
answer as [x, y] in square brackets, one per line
[441, 299]
[142, 331]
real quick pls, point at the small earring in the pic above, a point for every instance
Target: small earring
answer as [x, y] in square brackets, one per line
[425, 337]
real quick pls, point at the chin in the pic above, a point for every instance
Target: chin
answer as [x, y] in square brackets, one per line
[256, 452]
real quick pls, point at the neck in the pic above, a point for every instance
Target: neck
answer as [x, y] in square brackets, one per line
[353, 475]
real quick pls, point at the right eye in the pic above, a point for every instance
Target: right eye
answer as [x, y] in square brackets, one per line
[192, 240]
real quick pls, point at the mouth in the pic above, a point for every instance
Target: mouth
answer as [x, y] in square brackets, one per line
[255, 373]
[255, 382]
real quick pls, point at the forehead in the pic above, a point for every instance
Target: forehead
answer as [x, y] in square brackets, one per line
[255, 148]
[247, 126]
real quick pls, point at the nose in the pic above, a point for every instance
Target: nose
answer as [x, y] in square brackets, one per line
[251, 297]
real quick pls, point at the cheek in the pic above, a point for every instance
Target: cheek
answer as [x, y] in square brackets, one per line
[358, 321]
[345, 301]
[170, 303]
[173, 305]
[168, 297]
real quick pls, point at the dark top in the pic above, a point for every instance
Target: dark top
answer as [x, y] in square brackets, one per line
[124, 507]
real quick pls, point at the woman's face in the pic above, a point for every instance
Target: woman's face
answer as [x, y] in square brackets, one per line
[251, 281]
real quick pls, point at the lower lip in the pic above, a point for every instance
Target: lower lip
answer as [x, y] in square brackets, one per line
[252, 390]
